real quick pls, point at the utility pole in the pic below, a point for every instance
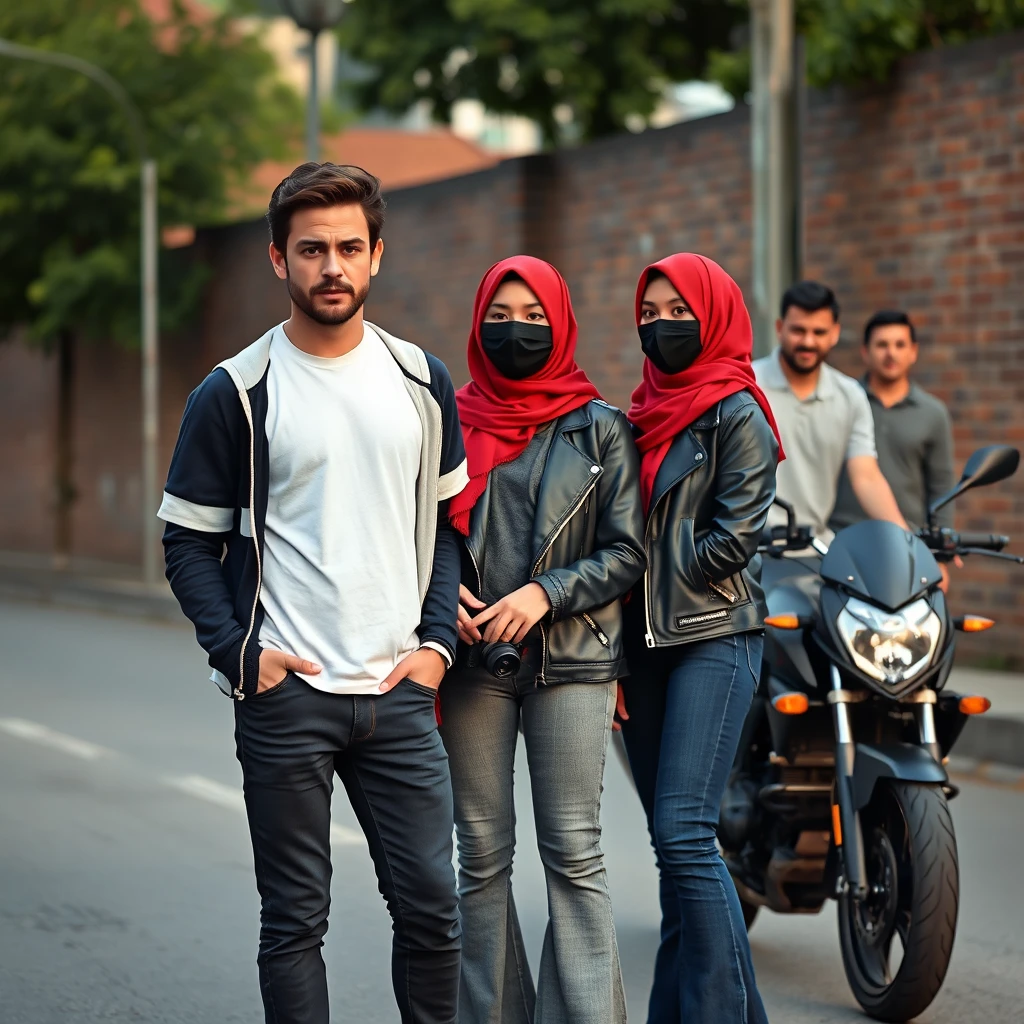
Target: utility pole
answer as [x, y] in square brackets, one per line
[148, 287]
[777, 78]
[315, 16]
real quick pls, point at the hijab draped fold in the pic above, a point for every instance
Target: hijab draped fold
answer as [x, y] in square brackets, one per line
[666, 404]
[499, 415]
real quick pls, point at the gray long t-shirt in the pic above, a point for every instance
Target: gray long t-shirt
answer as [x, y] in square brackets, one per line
[914, 438]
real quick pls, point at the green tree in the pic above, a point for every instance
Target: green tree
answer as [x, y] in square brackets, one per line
[594, 66]
[69, 176]
[858, 40]
[601, 65]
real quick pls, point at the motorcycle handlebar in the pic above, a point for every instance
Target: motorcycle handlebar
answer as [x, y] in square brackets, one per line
[987, 541]
[946, 542]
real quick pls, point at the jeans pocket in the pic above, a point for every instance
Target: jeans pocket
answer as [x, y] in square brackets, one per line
[270, 691]
[421, 688]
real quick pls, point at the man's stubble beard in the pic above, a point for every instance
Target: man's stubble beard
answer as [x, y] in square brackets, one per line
[333, 316]
[805, 371]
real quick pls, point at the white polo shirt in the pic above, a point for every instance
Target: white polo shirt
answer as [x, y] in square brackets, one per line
[819, 434]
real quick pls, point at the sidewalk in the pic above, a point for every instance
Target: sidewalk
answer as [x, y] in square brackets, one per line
[96, 586]
[998, 736]
[991, 745]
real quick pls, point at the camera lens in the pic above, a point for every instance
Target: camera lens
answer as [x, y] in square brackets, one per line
[501, 659]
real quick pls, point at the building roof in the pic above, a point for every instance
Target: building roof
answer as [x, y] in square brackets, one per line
[399, 158]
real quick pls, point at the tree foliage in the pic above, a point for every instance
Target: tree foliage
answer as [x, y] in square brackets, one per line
[69, 174]
[603, 64]
[593, 65]
[860, 40]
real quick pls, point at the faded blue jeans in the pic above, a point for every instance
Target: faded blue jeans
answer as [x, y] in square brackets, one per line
[686, 708]
[566, 728]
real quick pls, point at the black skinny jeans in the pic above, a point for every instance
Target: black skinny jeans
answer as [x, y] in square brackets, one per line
[387, 751]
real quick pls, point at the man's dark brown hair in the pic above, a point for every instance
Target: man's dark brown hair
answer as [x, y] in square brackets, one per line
[327, 184]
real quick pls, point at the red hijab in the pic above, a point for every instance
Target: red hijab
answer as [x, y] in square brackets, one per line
[666, 404]
[499, 415]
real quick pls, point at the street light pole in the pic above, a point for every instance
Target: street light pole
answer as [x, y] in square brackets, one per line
[775, 163]
[313, 103]
[315, 16]
[148, 288]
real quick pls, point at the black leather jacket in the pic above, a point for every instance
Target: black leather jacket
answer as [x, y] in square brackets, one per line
[587, 545]
[708, 511]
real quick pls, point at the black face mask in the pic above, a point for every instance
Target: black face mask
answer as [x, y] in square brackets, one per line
[672, 345]
[516, 348]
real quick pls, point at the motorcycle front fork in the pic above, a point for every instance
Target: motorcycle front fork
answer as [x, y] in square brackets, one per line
[847, 828]
[847, 835]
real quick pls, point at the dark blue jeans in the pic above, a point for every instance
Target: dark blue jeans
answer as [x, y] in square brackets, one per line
[291, 741]
[686, 709]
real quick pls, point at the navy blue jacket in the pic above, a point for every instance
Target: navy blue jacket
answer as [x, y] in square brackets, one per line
[215, 507]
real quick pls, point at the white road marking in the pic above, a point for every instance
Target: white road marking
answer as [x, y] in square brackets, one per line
[195, 785]
[36, 733]
[231, 798]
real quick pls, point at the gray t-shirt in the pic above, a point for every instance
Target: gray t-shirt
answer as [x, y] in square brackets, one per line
[915, 454]
[819, 434]
[514, 488]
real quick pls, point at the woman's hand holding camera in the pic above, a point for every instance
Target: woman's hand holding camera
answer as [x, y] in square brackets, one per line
[468, 603]
[513, 616]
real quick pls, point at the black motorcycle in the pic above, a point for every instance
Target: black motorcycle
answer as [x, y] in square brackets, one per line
[839, 789]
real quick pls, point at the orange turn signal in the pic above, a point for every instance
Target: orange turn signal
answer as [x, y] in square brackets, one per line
[790, 703]
[785, 620]
[974, 623]
[975, 705]
[837, 828]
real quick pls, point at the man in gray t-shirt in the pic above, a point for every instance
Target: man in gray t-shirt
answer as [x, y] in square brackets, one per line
[822, 414]
[912, 428]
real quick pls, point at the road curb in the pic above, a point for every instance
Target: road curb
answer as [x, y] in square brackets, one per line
[113, 596]
[991, 739]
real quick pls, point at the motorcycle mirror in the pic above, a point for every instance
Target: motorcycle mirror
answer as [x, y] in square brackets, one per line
[986, 466]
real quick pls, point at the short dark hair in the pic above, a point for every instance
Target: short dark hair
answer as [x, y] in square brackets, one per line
[811, 296]
[885, 317]
[326, 184]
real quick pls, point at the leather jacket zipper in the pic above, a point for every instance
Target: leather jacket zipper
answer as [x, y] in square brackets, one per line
[601, 635]
[540, 558]
[721, 591]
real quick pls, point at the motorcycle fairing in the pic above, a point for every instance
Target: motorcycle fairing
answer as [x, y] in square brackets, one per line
[881, 564]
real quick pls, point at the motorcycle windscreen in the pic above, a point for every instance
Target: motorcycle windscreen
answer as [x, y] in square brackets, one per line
[880, 563]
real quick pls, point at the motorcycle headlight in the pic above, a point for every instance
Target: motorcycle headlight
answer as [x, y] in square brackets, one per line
[891, 647]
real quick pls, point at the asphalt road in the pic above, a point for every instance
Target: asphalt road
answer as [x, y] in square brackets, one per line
[126, 888]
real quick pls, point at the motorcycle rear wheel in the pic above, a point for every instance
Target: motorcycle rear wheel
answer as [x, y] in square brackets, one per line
[913, 884]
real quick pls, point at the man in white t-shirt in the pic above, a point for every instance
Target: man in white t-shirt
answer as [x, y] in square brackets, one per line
[308, 540]
[823, 416]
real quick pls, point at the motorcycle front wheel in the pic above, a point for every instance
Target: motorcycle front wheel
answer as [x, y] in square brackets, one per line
[897, 941]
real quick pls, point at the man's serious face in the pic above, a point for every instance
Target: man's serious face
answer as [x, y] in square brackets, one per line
[329, 262]
[890, 353]
[806, 338]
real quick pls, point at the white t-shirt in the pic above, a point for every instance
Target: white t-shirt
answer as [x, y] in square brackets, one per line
[339, 560]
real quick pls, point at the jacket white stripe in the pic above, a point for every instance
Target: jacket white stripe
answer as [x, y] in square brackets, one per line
[205, 518]
[452, 483]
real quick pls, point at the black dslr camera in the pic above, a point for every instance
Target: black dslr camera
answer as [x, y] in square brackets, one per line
[501, 658]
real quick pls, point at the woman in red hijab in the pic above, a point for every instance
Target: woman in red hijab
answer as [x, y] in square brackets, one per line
[694, 625]
[553, 536]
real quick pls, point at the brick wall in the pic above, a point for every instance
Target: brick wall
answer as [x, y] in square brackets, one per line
[914, 197]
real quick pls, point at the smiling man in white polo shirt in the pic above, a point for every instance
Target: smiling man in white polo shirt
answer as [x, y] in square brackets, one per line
[823, 415]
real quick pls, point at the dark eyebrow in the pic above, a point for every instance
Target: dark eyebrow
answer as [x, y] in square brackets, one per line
[303, 242]
[504, 305]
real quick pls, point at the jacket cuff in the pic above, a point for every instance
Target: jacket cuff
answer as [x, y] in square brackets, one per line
[434, 645]
[555, 591]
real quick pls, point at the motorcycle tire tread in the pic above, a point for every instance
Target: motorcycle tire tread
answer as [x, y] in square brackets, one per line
[934, 908]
